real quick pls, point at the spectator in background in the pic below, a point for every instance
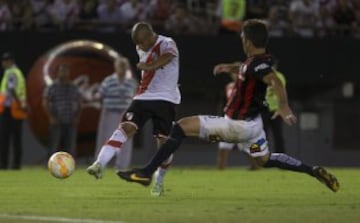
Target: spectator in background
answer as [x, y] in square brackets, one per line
[131, 12]
[344, 17]
[5, 16]
[278, 25]
[64, 12]
[109, 16]
[231, 14]
[88, 15]
[22, 13]
[257, 9]
[62, 102]
[326, 21]
[182, 22]
[304, 15]
[12, 111]
[159, 11]
[116, 93]
[41, 11]
[278, 18]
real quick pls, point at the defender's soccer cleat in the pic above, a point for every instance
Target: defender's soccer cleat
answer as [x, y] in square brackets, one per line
[136, 176]
[157, 190]
[326, 178]
[96, 170]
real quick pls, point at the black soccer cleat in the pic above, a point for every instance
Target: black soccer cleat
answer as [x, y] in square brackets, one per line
[326, 178]
[135, 175]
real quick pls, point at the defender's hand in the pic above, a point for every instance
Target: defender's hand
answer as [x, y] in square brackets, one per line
[286, 114]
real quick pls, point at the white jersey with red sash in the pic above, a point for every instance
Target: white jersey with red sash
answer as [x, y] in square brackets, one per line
[161, 84]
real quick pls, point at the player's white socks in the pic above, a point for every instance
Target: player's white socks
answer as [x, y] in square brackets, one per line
[160, 174]
[108, 150]
[162, 170]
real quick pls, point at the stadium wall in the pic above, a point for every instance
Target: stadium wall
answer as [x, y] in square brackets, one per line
[320, 73]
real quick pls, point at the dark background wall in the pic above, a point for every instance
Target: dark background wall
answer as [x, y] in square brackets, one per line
[315, 70]
[318, 64]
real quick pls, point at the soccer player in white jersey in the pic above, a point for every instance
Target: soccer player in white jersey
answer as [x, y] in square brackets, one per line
[155, 100]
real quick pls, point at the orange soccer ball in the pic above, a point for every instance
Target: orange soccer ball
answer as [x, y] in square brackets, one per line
[61, 165]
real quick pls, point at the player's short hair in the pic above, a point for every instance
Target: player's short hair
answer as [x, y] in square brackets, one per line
[255, 30]
[141, 29]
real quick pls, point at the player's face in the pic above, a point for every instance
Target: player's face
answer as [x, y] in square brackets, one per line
[144, 41]
[63, 73]
[120, 69]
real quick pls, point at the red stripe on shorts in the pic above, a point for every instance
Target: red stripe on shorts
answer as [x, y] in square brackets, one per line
[114, 143]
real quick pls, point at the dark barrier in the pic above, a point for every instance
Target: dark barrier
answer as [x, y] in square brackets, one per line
[315, 68]
[315, 62]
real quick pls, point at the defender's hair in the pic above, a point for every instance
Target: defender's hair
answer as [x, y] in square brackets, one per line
[255, 30]
[141, 28]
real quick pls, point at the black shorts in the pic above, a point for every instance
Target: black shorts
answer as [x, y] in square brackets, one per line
[162, 114]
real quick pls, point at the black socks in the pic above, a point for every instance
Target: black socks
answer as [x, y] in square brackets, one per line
[283, 161]
[169, 147]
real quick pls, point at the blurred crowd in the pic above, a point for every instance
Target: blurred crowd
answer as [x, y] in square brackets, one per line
[306, 18]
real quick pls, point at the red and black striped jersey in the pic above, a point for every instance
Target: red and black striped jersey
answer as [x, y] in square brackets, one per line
[248, 96]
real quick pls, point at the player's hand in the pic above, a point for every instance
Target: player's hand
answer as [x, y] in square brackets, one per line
[144, 66]
[221, 68]
[286, 114]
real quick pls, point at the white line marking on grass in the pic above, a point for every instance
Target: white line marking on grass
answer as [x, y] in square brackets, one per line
[53, 219]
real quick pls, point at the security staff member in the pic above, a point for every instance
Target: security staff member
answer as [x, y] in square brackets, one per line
[12, 111]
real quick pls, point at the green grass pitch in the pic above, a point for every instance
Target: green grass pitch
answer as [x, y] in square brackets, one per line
[191, 195]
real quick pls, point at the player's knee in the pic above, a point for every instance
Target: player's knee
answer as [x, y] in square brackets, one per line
[129, 128]
[188, 123]
[182, 123]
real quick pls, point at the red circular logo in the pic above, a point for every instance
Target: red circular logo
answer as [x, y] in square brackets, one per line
[90, 62]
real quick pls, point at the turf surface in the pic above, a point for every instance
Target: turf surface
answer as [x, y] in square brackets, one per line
[191, 195]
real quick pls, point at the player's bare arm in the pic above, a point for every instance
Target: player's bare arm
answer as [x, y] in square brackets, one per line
[160, 62]
[284, 110]
[232, 68]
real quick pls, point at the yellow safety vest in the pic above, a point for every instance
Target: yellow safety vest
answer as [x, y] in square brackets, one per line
[271, 97]
[233, 12]
[20, 91]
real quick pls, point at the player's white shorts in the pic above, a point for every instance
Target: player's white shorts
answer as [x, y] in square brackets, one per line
[228, 145]
[249, 135]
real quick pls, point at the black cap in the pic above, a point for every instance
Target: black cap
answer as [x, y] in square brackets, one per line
[7, 56]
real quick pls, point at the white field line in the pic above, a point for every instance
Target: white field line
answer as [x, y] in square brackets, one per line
[53, 219]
